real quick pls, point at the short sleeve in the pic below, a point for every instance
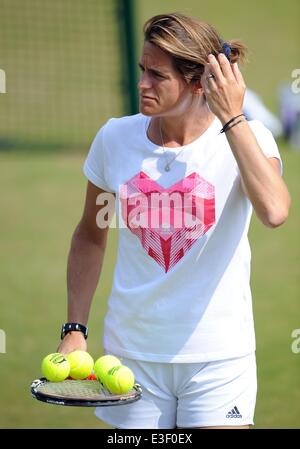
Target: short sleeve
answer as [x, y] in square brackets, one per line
[266, 140]
[95, 166]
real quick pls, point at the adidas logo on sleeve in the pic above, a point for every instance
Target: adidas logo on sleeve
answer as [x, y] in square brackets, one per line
[234, 413]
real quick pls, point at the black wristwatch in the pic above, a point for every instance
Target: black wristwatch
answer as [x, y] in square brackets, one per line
[70, 327]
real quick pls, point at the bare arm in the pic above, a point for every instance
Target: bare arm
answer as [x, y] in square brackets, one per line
[260, 175]
[261, 179]
[84, 267]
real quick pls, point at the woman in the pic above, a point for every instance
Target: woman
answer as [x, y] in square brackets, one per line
[186, 173]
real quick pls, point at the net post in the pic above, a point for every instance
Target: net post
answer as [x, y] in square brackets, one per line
[129, 54]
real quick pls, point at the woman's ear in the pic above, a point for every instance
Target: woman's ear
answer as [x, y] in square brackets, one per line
[197, 88]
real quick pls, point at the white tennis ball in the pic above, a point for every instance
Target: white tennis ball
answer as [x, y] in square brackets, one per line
[55, 367]
[81, 364]
[120, 379]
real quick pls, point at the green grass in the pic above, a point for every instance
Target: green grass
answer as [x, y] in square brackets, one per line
[275, 287]
[41, 202]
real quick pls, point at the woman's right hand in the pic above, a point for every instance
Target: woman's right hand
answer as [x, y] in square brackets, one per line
[73, 341]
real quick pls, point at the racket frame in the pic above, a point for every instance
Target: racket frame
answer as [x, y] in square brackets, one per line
[123, 399]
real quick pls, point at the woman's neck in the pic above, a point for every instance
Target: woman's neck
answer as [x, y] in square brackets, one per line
[179, 131]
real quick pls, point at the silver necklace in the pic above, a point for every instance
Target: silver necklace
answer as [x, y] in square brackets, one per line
[168, 164]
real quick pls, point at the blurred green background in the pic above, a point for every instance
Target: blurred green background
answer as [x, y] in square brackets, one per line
[65, 76]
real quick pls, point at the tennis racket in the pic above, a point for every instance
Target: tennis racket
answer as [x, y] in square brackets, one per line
[82, 393]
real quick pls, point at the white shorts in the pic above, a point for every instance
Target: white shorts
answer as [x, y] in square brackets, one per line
[220, 393]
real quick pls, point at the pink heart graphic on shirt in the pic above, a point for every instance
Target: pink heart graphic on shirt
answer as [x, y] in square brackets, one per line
[168, 222]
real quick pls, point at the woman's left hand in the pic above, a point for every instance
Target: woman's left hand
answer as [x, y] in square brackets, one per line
[225, 92]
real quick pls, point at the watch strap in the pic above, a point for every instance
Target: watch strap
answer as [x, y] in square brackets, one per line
[70, 327]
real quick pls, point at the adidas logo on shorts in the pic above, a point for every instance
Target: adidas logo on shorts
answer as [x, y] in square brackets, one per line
[234, 413]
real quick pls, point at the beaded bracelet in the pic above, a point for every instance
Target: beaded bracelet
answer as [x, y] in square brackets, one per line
[225, 127]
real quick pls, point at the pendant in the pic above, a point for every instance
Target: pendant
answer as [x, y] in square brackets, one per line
[167, 167]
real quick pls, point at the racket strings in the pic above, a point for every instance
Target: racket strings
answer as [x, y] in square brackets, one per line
[79, 390]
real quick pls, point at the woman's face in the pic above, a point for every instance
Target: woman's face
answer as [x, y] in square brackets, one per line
[162, 89]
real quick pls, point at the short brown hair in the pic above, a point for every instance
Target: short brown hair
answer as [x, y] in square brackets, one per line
[189, 41]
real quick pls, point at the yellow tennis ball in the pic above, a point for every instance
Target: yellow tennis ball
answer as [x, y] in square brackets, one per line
[120, 379]
[55, 367]
[103, 365]
[81, 364]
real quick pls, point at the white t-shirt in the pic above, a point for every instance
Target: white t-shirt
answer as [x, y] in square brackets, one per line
[180, 291]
